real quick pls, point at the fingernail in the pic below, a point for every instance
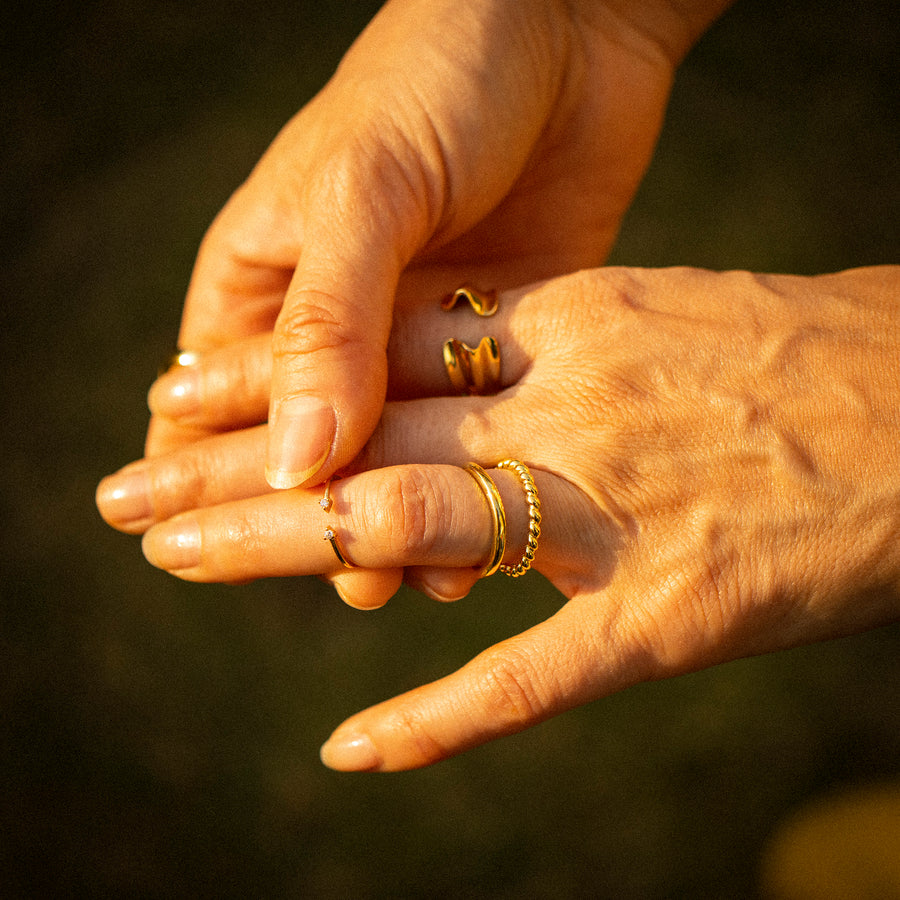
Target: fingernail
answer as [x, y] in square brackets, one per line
[124, 498]
[433, 586]
[440, 596]
[173, 545]
[300, 437]
[176, 395]
[354, 752]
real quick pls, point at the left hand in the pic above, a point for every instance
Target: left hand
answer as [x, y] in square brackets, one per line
[500, 138]
[717, 461]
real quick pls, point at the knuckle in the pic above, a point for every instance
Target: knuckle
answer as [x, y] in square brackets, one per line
[242, 532]
[310, 321]
[693, 610]
[405, 511]
[177, 486]
[510, 690]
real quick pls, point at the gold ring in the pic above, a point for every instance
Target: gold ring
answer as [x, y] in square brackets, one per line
[475, 372]
[330, 532]
[326, 502]
[498, 517]
[534, 517]
[483, 303]
[180, 359]
[331, 536]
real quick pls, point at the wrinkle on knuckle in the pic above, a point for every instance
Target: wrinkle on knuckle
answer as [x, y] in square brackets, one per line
[237, 544]
[177, 485]
[404, 511]
[242, 533]
[692, 612]
[312, 321]
[510, 690]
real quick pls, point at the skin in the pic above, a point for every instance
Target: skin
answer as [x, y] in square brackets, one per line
[717, 457]
[492, 141]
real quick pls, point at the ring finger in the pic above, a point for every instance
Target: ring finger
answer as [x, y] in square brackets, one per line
[387, 519]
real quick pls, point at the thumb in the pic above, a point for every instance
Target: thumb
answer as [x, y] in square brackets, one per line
[509, 687]
[329, 374]
[329, 379]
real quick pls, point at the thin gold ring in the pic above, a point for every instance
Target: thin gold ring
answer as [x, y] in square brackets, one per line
[332, 538]
[498, 517]
[474, 372]
[330, 534]
[483, 303]
[534, 517]
[326, 502]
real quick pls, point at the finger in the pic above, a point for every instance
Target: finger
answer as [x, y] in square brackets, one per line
[244, 263]
[392, 518]
[513, 685]
[166, 436]
[329, 375]
[227, 388]
[224, 467]
[366, 588]
[201, 474]
[441, 584]
[515, 423]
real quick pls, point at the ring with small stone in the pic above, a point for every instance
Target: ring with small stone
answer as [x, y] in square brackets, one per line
[330, 534]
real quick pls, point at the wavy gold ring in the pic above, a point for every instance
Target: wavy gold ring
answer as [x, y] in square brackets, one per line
[498, 517]
[475, 372]
[483, 303]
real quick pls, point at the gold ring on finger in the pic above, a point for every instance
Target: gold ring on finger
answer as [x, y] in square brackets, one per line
[498, 517]
[474, 372]
[331, 535]
[180, 359]
[534, 517]
[483, 303]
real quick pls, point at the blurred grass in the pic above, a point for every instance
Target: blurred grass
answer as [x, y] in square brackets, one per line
[160, 739]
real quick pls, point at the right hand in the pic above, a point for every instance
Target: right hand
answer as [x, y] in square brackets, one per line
[495, 142]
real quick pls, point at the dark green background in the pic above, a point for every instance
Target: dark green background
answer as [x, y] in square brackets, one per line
[160, 739]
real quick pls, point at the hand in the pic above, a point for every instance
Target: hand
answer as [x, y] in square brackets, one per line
[717, 457]
[503, 139]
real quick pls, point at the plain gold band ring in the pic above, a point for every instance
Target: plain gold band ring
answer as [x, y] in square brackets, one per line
[498, 517]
